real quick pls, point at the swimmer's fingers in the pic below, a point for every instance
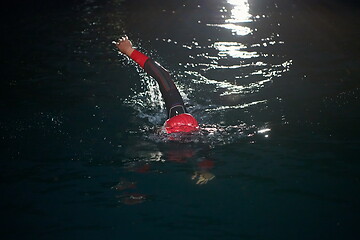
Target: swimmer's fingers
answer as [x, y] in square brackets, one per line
[124, 38]
[120, 40]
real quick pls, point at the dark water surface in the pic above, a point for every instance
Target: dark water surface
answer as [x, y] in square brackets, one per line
[274, 84]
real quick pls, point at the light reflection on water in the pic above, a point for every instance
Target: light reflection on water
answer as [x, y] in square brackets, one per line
[239, 14]
[234, 50]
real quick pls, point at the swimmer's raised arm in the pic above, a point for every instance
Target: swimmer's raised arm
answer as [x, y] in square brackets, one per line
[179, 120]
[168, 89]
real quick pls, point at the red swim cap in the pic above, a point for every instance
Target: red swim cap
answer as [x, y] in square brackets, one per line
[181, 123]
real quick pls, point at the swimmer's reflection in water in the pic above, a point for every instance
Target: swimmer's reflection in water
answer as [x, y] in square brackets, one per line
[128, 192]
[181, 154]
[198, 158]
[179, 120]
[202, 174]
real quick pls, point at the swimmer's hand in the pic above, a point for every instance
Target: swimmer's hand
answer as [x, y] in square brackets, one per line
[124, 45]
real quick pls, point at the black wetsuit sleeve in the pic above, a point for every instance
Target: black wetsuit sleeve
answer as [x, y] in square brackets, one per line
[173, 100]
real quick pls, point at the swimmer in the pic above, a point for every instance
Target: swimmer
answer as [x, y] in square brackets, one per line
[179, 120]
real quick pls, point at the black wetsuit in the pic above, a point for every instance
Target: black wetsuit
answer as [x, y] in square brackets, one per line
[173, 100]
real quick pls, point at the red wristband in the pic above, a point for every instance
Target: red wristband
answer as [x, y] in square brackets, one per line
[139, 58]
